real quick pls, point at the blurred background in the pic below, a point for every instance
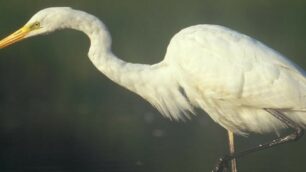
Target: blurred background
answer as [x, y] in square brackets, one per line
[59, 114]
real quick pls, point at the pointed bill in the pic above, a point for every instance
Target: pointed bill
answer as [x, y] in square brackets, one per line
[14, 37]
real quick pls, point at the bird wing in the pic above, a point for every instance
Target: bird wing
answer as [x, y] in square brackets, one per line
[225, 65]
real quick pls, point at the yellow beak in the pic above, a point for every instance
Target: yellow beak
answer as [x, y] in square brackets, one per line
[15, 37]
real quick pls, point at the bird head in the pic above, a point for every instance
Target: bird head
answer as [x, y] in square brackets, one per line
[44, 21]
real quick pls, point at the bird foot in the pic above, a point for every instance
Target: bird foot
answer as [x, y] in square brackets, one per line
[222, 164]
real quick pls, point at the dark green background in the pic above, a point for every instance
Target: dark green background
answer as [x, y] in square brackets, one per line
[58, 113]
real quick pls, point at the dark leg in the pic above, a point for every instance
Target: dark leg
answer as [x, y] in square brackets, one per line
[298, 133]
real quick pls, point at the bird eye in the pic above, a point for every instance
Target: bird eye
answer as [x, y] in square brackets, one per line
[35, 25]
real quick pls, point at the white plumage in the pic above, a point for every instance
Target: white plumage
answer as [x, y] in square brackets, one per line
[234, 77]
[227, 74]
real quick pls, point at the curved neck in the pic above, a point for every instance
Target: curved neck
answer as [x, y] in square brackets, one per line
[125, 74]
[155, 83]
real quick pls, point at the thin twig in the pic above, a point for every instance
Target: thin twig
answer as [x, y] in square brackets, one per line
[231, 144]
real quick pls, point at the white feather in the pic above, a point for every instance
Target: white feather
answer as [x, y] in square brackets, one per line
[227, 74]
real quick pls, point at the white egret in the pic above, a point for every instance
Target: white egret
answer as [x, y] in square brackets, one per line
[243, 85]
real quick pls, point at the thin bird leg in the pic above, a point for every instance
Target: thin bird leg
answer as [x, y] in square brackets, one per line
[231, 145]
[297, 134]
